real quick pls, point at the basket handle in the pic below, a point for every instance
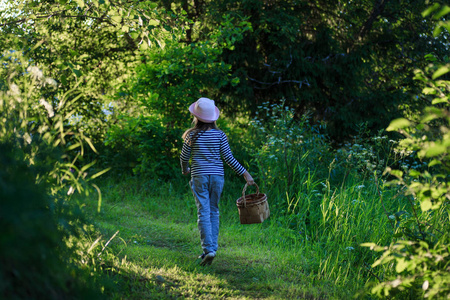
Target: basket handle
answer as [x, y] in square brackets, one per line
[243, 192]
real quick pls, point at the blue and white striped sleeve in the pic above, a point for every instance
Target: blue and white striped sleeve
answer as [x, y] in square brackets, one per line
[228, 157]
[185, 155]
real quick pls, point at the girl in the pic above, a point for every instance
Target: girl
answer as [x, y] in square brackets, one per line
[205, 143]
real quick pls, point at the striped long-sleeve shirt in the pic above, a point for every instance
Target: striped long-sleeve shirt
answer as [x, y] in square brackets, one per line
[206, 154]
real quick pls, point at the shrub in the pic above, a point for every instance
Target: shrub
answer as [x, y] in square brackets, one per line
[40, 168]
[421, 248]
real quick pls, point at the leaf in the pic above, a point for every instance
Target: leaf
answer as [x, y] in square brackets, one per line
[435, 150]
[430, 57]
[397, 173]
[117, 19]
[414, 173]
[441, 71]
[434, 162]
[143, 46]
[429, 91]
[88, 140]
[437, 30]
[444, 10]
[439, 100]
[402, 264]
[430, 9]
[85, 167]
[74, 146]
[80, 3]
[370, 245]
[77, 72]
[99, 205]
[425, 205]
[398, 124]
[100, 173]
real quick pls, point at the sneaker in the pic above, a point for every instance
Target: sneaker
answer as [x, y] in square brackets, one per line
[207, 258]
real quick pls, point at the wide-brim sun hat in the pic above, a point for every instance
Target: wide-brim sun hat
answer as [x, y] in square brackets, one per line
[205, 110]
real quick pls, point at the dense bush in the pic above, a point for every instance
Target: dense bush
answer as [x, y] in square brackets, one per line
[41, 166]
[35, 261]
[417, 263]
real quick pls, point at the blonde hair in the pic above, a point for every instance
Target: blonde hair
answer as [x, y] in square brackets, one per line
[198, 127]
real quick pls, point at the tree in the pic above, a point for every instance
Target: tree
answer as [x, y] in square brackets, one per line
[93, 46]
[344, 62]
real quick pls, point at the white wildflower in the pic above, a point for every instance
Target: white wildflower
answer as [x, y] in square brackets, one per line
[350, 248]
[360, 186]
[35, 72]
[71, 190]
[27, 138]
[50, 81]
[48, 107]
[42, 129]
[391, 217]
[14, 90]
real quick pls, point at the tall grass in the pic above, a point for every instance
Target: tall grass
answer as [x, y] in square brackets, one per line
[331, 201]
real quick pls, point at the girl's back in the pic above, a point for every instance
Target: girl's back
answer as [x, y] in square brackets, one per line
[206, 148]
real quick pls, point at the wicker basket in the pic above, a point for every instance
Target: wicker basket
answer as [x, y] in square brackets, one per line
[253, 208]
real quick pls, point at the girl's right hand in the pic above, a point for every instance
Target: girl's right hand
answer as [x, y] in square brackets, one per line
[188, 170]
[249, 178]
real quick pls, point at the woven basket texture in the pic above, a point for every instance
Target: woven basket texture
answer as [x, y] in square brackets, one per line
[253, 208]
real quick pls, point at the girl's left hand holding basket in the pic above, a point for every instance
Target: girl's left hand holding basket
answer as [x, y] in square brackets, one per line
[249, 178]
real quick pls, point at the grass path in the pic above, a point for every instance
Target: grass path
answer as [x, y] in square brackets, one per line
[154, 254]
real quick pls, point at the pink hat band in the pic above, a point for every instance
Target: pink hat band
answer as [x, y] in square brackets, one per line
[205, 110]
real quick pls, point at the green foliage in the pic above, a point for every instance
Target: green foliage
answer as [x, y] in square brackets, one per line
[285, 148]
[43, 126]
[421, 254]
[92, 45]
[368, 153]
[326, 200]
[175, 76]
[170, 79]
[34, 259]
[42, 166]
[344, 63]
[146, 146]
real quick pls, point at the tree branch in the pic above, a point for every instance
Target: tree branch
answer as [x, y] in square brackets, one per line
[49, 16]
[376, 12]
[269, 84]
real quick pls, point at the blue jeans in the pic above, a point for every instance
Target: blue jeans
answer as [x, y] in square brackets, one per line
[207, 190]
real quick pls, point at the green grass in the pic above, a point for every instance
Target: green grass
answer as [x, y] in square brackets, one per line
[154, 255]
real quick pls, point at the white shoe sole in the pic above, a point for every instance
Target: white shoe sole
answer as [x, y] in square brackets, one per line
[207, 260]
